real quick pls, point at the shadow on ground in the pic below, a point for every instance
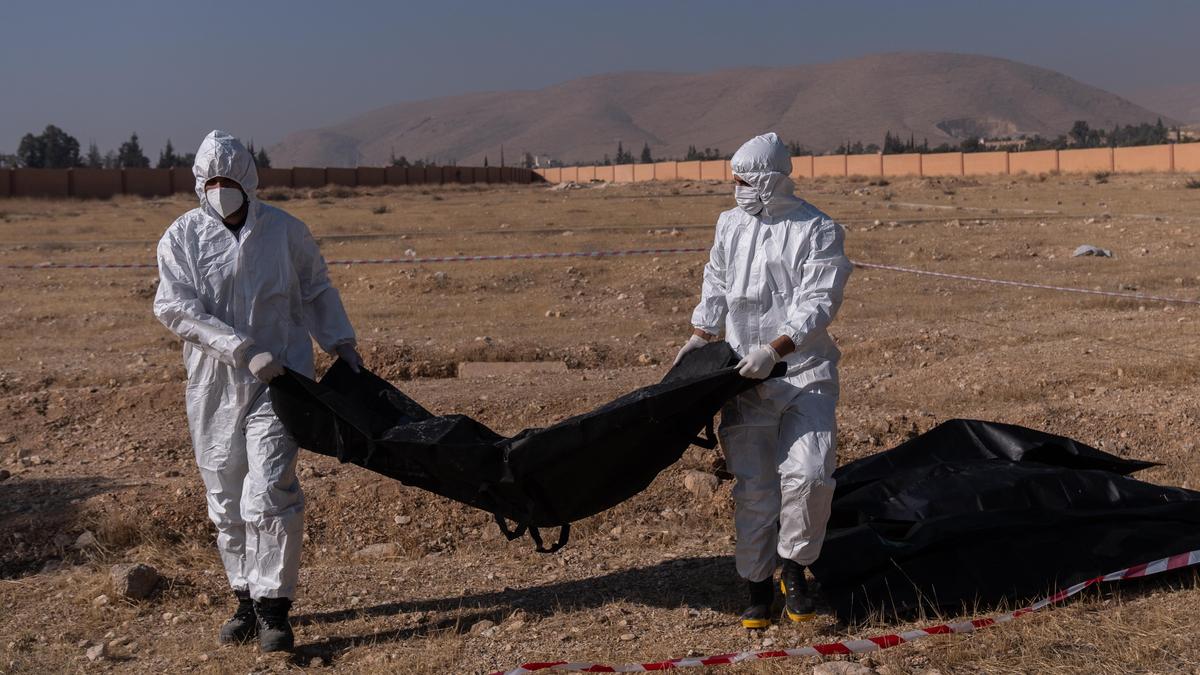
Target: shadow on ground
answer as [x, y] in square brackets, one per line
[699, 582]
[33, 512]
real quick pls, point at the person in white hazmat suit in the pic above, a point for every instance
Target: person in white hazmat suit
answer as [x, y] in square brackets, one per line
[246, 288]
[774, 282]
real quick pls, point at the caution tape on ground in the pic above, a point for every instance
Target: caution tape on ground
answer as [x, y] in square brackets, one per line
[413, 260]
[865, 645]
[409, 260]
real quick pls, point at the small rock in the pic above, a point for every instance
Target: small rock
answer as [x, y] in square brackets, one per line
[701, 484]
[82, 644]
[167, 616]
[841, 668]
[626, 637]
[97, 652]
[645, 360]
[135, 581]
[384, 550]
[5, 474]
[204, 600]
[402, 520]
[769, 642]
[514, 626]
[203, 657]
[100, 601]
[85, 540]
[481, 626]
[1088, 249]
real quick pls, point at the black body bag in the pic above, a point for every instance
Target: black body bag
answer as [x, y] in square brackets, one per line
[981, 513]
[539, 478]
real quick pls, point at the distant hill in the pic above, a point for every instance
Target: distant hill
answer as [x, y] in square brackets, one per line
[935, 96]
[1181, 101]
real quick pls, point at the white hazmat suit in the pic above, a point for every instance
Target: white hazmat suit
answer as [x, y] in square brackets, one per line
[777, 268]
[230, 296]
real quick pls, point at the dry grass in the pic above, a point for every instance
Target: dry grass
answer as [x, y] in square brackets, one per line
[92, 385]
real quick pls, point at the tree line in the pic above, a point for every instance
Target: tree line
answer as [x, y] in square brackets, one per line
[1080, 135]
[56, 149]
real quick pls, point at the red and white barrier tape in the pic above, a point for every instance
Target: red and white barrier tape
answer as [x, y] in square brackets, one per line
[392, 261]
[642, 251]
[1026, 284]
[865, 645]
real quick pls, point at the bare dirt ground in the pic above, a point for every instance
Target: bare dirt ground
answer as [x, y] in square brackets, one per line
[92, 427]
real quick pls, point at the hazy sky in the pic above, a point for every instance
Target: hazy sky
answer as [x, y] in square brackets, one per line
[259, 69]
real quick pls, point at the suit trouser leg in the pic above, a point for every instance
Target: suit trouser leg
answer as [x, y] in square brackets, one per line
[272, 505]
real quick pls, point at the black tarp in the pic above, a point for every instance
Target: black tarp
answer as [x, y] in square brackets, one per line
[974, 513]
[539, 478]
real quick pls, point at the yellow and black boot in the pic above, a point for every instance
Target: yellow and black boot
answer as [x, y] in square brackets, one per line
[758, 614]
[796, 603]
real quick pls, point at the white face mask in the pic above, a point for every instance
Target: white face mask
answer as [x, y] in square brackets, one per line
[747, 198]
[225, 201]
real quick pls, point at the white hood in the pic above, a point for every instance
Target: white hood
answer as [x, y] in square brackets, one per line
[764, 163]
[221, 154]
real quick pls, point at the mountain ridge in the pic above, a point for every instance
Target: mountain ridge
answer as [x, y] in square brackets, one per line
[942, 97]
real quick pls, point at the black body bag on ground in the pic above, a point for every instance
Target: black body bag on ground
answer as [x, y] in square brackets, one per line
[977, 513]
[540, 477]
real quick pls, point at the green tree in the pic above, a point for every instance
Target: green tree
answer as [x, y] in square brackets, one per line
[94, 159]
[892, 145]
[623, 155]
[52, 149]
[167, 158]
[1082, 135]
[262, 160]
[971, 144]
[130, 155]
[31, 153]
[646, 157]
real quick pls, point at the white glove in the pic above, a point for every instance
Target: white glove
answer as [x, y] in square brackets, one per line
[757, 364]
[264, 367]
[348, 353]
[693, 343]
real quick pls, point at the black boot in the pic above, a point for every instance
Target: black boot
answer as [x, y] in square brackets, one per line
[274, 631]
[243, 626]
[758, 614]
[796, 603]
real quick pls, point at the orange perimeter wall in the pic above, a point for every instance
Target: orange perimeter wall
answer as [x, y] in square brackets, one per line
[1083, 161]
[1135, 160]
[1035, 162]
[985, 163]
[96, 183]
[942, 164]
[829, 165]
[863, 165]
[1154, 158]
[1187, 157]
[901, 165]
